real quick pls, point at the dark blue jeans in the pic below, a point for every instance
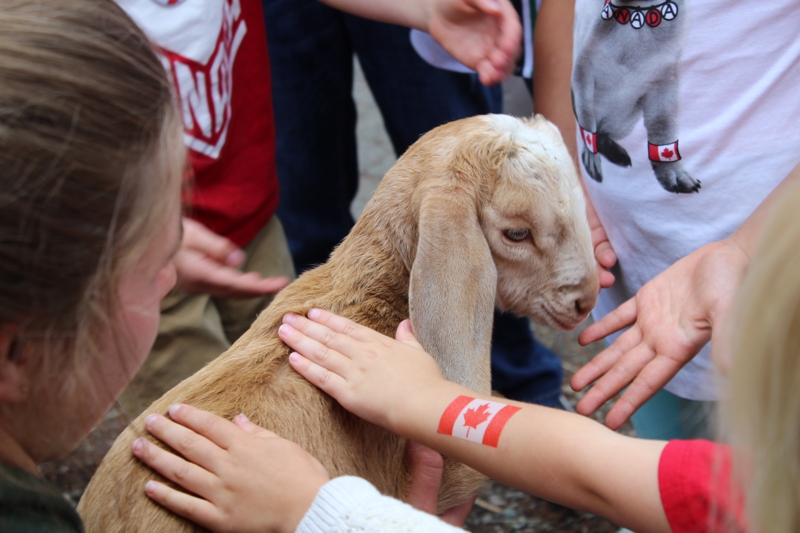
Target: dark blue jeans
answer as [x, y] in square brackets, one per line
[311, 49]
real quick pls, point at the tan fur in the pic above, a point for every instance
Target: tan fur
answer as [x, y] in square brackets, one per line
[429, 245]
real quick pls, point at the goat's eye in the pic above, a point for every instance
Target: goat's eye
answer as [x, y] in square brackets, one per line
[517, 234]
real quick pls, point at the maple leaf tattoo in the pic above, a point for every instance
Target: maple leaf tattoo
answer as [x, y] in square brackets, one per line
[475, 417]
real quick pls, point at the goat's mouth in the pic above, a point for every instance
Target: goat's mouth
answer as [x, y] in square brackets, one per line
[552, 319]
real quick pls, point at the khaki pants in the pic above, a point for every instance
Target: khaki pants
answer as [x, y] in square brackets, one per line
[196, 328]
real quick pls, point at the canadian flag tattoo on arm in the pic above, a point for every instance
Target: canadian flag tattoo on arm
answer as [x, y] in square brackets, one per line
[476, 420]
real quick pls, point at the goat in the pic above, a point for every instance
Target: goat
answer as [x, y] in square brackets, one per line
[481, 212]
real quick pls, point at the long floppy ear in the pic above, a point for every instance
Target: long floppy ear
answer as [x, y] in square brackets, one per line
[452, 288]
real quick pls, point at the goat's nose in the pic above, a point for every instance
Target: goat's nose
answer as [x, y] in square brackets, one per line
[588, 296]
[585, 303]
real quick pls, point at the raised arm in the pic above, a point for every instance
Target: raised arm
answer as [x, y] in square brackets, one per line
[484, 35]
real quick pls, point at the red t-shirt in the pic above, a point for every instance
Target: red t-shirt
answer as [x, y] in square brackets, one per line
[694, 478]
[216, 53]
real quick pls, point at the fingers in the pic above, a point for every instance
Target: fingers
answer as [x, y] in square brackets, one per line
[406, 335]
[317, 343]
[616, 378]
[605, 254]
[490, 7]
[648, 382]
[339, 324]
[199, 273]
[188, 475]
[426, 477]
[244, 423]
[604, 277]
[602, 362]
[198, 237]
[621, 317]
[216, 429]
[197, 510]
[319, 376]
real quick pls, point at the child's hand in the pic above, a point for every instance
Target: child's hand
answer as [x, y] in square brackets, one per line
[672, 317]
[242, 477]
[484, 35]
[207, 263]
[370, 374]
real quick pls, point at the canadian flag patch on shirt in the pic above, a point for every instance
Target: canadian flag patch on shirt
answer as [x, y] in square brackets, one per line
[664, 152]
[476, 420]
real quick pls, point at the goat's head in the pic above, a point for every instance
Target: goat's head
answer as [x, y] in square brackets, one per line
[536, 228]
[501, 222]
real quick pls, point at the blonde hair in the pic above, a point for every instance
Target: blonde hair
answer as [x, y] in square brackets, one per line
[88, 154]
[763, 407]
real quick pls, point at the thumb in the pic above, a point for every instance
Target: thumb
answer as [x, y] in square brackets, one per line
[426, 467]
[406, 335]
[244, 423]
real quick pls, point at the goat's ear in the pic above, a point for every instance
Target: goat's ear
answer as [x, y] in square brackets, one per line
[452, 289]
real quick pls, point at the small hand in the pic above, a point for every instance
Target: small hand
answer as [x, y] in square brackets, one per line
[207, 264]
[427, 466]
[485, 35]
[672, 317]
[368, 373]
[241, 477]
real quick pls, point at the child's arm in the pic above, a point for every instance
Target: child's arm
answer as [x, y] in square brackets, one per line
[552, 73]
[559, 456]
[484, 35]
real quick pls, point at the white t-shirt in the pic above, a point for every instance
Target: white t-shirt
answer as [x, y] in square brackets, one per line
[719, 83]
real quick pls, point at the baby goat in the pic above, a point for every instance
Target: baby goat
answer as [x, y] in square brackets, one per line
[480, 213]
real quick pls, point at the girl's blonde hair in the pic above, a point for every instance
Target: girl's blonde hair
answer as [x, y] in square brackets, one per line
[763, 408]
[89, 146]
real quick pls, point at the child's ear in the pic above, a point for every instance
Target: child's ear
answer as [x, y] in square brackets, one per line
[14, 379]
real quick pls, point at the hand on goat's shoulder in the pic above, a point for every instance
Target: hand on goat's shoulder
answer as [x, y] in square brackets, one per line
[369, 374]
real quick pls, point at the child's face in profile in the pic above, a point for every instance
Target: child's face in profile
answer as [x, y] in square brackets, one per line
[131, 332]
[140, 291]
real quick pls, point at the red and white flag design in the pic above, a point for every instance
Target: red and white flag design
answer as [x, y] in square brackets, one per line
[589, 139]
[476, 420]
[664, 152]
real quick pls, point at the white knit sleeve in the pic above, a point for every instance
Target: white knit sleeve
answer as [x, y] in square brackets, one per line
[352, 505]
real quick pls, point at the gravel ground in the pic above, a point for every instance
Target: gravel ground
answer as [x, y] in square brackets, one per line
[498, 508]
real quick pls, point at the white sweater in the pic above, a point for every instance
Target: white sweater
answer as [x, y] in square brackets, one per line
[351, 504]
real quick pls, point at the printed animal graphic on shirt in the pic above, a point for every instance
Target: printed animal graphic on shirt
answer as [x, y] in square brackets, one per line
[198, 41]
[626, 69]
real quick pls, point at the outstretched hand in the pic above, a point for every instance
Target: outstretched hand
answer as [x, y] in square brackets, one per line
[484, 35]
[369, 374]
[672, 317]
[207, 263]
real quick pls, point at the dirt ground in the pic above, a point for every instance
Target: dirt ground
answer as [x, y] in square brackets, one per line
[498, 508]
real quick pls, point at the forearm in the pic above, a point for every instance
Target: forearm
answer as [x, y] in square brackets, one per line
[410, 13]
[552, 68]
[552, 454]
